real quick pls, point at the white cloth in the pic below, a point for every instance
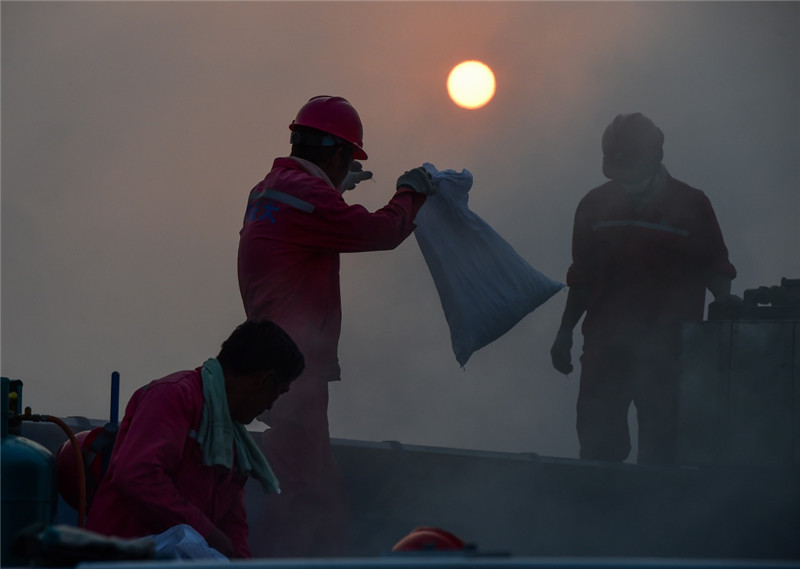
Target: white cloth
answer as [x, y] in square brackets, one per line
[218, 433]
[484, 286]
[183, 542]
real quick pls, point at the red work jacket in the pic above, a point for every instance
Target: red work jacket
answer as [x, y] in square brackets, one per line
[646, 270]
[295, 226]
[156, 478]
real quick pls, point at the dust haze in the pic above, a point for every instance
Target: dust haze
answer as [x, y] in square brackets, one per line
[133, 132]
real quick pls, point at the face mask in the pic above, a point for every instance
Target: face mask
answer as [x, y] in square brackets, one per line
[639, 188]
[640, 192]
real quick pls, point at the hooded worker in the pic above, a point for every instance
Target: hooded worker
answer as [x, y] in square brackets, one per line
[295, 226]
[645, 248]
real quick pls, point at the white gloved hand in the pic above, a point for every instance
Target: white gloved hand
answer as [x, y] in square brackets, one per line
[355, 175]
[419, 180]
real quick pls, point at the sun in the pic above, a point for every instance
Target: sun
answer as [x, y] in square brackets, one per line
[471, 84]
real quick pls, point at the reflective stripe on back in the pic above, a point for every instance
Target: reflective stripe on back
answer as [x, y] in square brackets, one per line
[644, 224]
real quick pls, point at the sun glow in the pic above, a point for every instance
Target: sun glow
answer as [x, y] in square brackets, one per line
[471, 84]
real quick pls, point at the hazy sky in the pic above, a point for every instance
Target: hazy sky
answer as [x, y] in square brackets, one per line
[133, 132]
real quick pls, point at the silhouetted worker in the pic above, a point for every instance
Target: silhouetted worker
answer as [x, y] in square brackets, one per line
[296, 225]
[183, 455]
[645, 247]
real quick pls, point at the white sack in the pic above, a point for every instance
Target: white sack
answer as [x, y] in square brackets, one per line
[183, 542]
[484, 286]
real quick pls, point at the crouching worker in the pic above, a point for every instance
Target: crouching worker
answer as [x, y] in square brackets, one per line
[183, 455]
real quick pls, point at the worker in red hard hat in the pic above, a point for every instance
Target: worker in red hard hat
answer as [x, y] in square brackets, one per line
[645, 247]
[295, 226]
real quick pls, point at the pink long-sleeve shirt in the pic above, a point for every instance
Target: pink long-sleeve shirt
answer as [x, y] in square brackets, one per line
[156, 478]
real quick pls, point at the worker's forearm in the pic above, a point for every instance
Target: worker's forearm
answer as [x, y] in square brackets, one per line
[577, 300]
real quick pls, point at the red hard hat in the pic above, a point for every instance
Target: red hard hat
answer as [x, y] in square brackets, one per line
[429, 539]
[336, 116]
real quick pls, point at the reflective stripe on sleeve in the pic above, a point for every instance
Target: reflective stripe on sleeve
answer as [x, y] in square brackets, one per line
[279, 196]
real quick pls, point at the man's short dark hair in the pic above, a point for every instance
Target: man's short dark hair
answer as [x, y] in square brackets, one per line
[260, 346]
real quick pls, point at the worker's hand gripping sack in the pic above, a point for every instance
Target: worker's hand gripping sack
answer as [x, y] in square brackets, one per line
[485, 287]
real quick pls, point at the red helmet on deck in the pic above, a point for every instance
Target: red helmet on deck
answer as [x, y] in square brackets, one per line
[336, 116]
[429, 539]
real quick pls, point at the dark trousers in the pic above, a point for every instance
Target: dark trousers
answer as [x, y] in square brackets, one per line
[309, 518]
[642, 371]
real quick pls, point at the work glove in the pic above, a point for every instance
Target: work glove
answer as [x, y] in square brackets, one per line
[560, 353]
[355, 175]
[419, 180]
[729, 300]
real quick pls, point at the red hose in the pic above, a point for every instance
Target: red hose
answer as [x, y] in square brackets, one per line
[79, 464]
